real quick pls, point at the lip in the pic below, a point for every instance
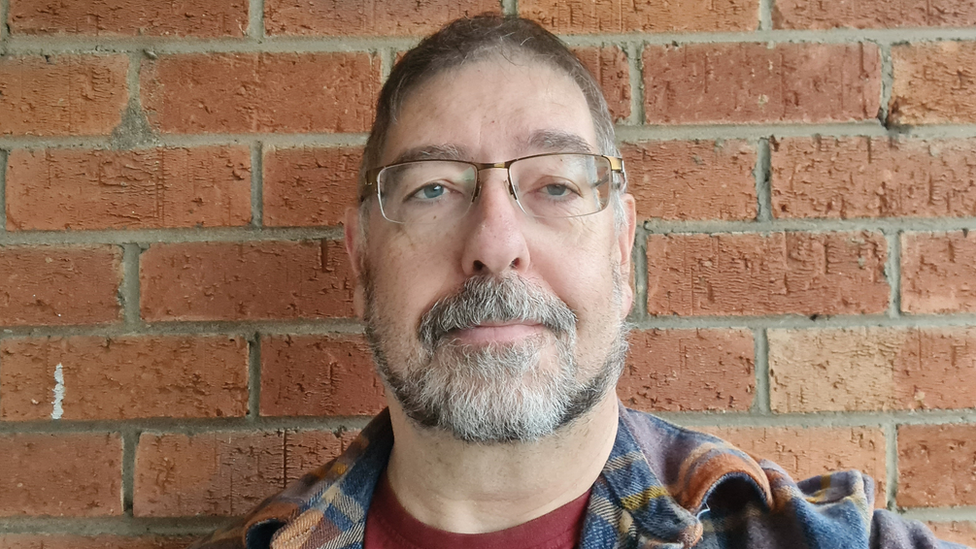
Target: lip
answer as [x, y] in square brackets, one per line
[496, 333]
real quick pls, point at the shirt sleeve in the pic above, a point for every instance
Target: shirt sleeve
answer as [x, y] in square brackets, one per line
[890, 531]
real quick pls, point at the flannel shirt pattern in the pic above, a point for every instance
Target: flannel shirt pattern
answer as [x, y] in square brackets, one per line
[651, 494]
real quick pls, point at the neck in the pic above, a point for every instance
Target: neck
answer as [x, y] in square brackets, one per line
[475, 488]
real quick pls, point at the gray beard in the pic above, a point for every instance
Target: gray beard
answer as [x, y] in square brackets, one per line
[494, 393]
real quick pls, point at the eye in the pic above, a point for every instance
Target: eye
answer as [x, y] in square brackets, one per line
[429, 192]
[556, 190]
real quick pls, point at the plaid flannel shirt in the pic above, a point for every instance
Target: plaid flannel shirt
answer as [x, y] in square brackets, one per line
[652, 493]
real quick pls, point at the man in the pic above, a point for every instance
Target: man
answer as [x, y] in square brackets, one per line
[492, 248]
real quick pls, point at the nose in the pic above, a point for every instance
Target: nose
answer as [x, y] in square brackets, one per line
[495, 244]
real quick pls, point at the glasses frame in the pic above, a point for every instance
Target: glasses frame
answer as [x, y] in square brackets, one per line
[372, 186]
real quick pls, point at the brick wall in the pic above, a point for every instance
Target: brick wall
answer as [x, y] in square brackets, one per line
[175, 303]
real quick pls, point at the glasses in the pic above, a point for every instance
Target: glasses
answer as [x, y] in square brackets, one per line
[555, 185]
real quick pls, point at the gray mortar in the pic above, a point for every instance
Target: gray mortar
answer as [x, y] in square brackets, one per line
[891, 464]
[635, 62]
[893, 272]
[639, 262]
[254, 376]
[765, 15]
[129, 289]
[763, 175]
[255, 19]
[887, 83]
[130, 439]
[257, 185]
[760, 404]
[509, 7]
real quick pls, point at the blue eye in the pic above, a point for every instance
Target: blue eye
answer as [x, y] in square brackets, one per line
[430, 192]
[556, 190]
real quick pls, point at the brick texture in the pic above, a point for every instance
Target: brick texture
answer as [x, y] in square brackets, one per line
[677, 370]
[59, 189]
[319, 376]
[63, 475]
[611, 69]
[53, 285]
[223, 473]
[124, 377]
[246, 281]
[752, 274]
[955, 531]
[937, 272]
[309, 186]
[933, 83]
[198, 18]
[851, 177]
[261, 92]
[383, 17]
[744, 83]
[935, 465]
[828, 14]
[809, 451]
[692, 180]
[617, 16]
[871, 369]
[68, 541]
[62, 94]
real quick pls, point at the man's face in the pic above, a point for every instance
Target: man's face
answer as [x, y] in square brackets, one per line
[496, 326]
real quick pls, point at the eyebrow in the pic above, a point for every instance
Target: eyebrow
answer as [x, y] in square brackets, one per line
[431, 152]
[555, 141]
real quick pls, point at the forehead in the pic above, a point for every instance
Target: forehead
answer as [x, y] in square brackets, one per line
[492, 110]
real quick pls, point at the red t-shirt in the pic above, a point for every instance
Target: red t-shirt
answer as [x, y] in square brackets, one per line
[389, 526]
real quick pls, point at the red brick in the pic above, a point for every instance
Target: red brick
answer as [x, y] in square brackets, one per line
[66, 475]
[779, 273]
[73, 189]
[937, 272]
[802, 451]
[62, 94]
[872, 369]
[611, 69]
[246, 281]
[955, 531]
[310, 186]
[616, 16]
[933, 83]
[878, 14]
[261, 92]
[203, 18]
[692, 179]
[124, 377]
[378, 18]
[757, 83]
[308, 450]
[319, 376]
[50, 285]
[679, 370]
[935, 465]
[70, 541]
[222, 473]
[851, 177]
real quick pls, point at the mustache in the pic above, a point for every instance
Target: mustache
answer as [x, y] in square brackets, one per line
[484, 299]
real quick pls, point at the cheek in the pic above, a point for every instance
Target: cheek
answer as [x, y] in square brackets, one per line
[407, 279]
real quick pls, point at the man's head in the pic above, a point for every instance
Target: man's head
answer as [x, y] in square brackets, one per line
[494, 297]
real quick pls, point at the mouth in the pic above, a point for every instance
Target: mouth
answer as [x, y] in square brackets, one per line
[496, 333]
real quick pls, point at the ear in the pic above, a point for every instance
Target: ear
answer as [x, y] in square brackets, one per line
[625, 245]
[355, 251]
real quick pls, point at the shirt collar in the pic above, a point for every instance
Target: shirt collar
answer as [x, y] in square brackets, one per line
[654, 486]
